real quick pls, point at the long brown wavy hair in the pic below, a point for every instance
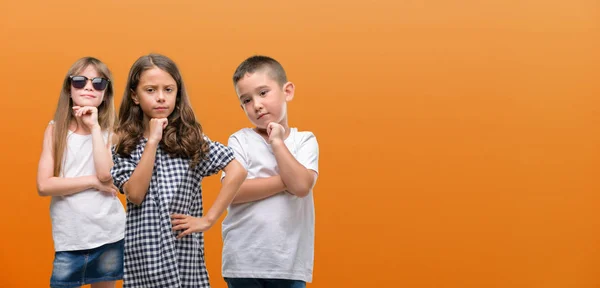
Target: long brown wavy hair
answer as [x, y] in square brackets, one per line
[183, 136]
[64, 112]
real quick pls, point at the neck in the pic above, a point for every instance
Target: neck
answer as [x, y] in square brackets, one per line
[78, 127]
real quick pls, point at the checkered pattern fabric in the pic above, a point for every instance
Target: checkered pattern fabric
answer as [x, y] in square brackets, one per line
[153, 256]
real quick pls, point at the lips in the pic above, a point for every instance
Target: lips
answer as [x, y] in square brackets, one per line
[261, 115]
[88, 95]
[161, 108]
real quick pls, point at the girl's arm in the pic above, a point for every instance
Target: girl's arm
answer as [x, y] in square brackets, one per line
[102, 155]
[48, 185]
[236, 174]
[101, 150]
[137, 186]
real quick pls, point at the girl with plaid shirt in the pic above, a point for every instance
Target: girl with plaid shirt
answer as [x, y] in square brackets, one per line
[160, 159]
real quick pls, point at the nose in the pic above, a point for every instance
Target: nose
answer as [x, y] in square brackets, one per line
[160, 96]
[88, 85]
[257, 104]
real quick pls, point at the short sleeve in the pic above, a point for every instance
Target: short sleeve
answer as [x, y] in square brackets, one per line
[238, 152]
[307, 153]
[122, 169]
[218, 157]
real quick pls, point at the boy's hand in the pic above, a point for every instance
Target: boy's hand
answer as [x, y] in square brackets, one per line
[275, 132]
[156, 128]
[189, 224]
[87, 114]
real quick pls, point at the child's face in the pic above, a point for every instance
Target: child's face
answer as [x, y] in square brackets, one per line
[156, 93]
[87, 96]
[263, 99]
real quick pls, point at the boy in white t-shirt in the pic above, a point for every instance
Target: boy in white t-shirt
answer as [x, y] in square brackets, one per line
[268, 234]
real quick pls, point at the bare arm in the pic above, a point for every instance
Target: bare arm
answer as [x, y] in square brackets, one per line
[253, 189]
[48, 185]
[236, 174]
[88, 115]
[298, 180]
[258, 189]
[102, 156]
[231, 184]
[137, 186]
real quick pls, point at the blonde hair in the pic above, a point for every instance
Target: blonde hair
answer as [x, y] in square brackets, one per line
[64, 111]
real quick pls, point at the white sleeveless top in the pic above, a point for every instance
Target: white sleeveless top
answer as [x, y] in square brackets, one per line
[90, 218]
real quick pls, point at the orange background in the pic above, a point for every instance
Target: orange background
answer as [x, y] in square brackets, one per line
[459, 139]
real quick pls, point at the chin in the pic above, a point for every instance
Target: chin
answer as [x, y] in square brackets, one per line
[86, 102]
[260, 127]
[161, 114]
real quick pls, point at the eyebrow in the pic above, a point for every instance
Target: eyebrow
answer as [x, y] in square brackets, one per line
[156, 85]
[257, 88]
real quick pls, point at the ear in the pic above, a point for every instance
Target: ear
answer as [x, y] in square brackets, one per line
[288, 90]
[135, 97]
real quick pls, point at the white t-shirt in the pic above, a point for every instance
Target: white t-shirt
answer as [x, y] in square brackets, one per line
[90, 218]
[273, 237]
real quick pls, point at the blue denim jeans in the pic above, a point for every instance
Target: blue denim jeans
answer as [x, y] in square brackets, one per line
[77, 268]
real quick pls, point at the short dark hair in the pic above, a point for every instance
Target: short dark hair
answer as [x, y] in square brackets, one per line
[259, 62]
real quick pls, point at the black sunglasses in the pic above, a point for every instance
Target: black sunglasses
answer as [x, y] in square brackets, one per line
[98, 83]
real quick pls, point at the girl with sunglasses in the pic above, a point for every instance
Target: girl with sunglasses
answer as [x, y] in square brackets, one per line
[87, 218]
[160, 160]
